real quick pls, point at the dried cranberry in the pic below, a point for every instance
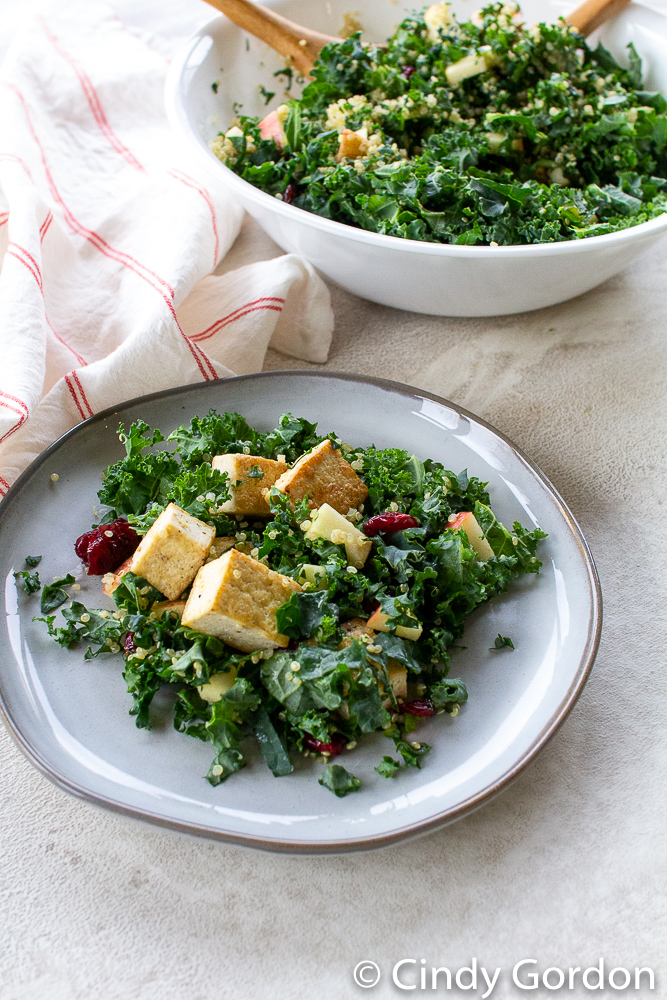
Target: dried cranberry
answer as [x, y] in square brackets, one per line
[129, 645]
[421, 707]
[388, 523]
[291, 191]
[105, 548]
[335, 746]
[407, 71]
[292, 645]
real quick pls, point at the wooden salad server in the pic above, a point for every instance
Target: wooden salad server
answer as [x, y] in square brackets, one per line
[301, 46]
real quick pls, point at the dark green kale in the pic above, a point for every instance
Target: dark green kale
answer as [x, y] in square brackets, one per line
[33, 561]
[340, 678]
[502, 642]
[546, 141]
[31, 583]
[339, 781]
[53, 594]
[100, 628]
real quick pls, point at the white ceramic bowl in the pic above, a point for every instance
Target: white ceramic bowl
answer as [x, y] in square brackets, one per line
[423, 277]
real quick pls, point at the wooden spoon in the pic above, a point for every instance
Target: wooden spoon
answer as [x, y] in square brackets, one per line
[301, 46]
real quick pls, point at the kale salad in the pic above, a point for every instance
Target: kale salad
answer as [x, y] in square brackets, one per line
[288, 588]
[482, 132]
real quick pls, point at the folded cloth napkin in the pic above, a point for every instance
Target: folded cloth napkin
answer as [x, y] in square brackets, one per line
[108, 237]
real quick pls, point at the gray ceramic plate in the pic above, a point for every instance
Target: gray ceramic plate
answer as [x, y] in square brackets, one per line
[70, 717]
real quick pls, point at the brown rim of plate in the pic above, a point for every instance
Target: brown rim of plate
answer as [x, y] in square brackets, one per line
[410, 830]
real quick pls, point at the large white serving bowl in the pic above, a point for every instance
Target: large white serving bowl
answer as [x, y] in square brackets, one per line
[424, 277]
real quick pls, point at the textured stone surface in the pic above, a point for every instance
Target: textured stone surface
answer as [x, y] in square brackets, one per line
[567, 865]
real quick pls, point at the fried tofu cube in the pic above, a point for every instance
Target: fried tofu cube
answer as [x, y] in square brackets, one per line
[168, 607]
[248, 488]
[355, 628]
[329, 524]
[324, 477]
[398, 678]
[172, 551]
[219, 546]
[352, 144]
[235, 598]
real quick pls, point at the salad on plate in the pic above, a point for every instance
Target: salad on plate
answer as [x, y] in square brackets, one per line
[287, 587]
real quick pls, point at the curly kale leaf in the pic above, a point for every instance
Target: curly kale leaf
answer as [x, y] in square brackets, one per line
[272, 745]
[307, 616]
[501, 642]
[141, 477]
[53, 594]
[86, 625]
[31, 582]
[338, 780]
[225, 728]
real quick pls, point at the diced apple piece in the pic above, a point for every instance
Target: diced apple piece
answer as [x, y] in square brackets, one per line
[271, 127]
[470, 65]
[437, 16]
[478, 543]
[111, 580]
[315, 575]
[218, 684]
[329, 524]
[495, 140]
[379, 619]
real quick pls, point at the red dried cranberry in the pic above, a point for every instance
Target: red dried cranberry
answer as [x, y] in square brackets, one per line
[407, 71]
[421, 707]
[388, 523]
[105, 548]
[335, 746]
[292, 645]
[129, 645]
[291, 192]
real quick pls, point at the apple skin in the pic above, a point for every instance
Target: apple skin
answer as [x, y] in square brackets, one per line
[378, 621]
[478, 543]
[271, 128]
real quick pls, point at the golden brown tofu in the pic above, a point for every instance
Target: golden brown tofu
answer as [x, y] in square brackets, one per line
[235, 598]
[248, 493]
[220, 545]
[164, 607]
[172, 551]
[324, 476]
[354, 629]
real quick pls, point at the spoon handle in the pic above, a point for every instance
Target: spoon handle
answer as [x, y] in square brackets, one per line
[592, 13]
[300, 46]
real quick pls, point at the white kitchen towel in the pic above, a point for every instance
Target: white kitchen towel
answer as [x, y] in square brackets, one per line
[109, 233]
